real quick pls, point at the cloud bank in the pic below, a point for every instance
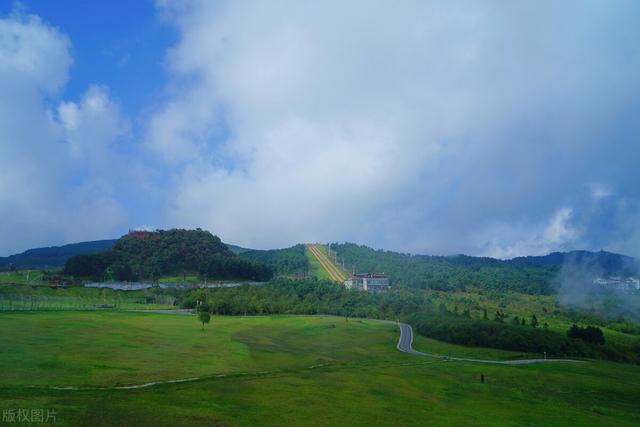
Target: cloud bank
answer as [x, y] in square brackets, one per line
[53, 154]
[431, 127]
[436, 127]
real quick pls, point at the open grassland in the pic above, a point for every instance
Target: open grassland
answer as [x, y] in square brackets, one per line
[188, 278]
[22, 277]
[286, 370]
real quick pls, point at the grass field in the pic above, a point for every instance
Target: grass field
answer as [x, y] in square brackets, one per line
[23, 297]
[286, 370]
[23, 277]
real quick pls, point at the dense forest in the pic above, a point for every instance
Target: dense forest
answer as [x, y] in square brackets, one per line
[287, 262]
[283, 295]
[450, 273]
[149, 255]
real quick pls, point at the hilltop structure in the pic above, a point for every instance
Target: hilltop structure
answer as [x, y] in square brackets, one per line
[371, 282]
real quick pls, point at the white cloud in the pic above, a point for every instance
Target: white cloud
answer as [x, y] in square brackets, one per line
[416, 126]
[50, 188]
[556, 234]
[599, 191]
[91, 125]
[33, 53]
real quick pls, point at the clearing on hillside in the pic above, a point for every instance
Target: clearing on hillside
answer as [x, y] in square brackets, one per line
[321, 261]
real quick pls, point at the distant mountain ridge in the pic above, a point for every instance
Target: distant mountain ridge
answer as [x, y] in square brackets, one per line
[602, 262]
[54, 256]
[608, 262]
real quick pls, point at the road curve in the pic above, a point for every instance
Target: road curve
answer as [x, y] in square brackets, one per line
[405, 344]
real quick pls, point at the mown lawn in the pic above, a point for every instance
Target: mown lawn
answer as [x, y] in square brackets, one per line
[287, 370]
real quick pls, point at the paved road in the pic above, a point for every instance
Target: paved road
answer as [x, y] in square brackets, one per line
[405, 344]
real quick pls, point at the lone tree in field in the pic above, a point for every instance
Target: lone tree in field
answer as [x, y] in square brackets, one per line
[204, 317]
[203, 313]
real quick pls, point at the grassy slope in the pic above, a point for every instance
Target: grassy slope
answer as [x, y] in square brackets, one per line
[545, 307]
[366, 381]
[315, 268]
[321, 271]
[339, 269]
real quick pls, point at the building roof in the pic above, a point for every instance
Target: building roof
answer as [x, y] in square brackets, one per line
[369, 276]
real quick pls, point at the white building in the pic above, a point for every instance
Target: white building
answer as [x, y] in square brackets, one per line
[619, 283]
[372, 282]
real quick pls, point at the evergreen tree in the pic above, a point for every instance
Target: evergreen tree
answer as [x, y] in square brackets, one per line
[534, 321]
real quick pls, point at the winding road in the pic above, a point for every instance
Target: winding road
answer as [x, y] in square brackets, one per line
[405, 344]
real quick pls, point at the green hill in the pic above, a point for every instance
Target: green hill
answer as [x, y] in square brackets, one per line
[449, 273]
[148, 255]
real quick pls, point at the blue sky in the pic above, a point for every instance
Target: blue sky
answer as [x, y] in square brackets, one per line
[431, 127]
[118, 43]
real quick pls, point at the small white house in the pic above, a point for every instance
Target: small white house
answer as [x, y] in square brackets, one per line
[371, 282]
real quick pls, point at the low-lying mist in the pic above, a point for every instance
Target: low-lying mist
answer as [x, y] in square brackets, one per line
[600, 286]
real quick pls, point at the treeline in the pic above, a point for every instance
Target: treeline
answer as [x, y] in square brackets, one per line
[450, 273]
[288, 262]
[144, 255]
[526, 338]
[310, 296]
[589, 333]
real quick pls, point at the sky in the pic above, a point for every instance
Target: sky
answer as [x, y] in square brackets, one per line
[438, 127]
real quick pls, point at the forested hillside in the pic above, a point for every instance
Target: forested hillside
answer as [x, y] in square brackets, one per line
[449, 273]
[149, 255]
[289, 261]
[601, 263]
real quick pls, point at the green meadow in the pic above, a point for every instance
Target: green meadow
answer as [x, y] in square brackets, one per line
[21, 297]
[286, 370]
